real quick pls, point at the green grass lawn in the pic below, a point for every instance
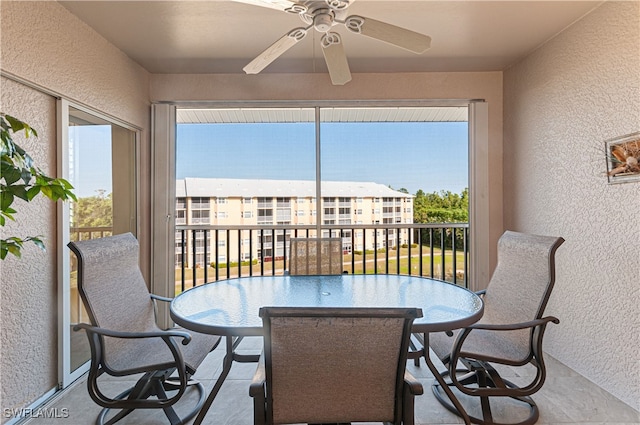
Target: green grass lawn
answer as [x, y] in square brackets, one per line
[277, 267]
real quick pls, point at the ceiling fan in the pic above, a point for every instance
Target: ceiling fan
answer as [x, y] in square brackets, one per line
[322, 15]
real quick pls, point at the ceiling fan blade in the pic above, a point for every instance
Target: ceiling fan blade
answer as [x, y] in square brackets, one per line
[275, 50]
[336, 59]
[339, 4]
[272, 4]
[401, 37]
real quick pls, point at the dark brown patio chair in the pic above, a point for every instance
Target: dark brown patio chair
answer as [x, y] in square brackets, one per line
[335, 365]
[510, 331]
[124, 337]
[315, 256]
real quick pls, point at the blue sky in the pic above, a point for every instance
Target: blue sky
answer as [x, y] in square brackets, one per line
[427, 156]
[91, 170]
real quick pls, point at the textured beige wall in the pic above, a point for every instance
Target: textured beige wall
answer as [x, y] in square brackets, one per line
[415, 85]
[28, 310]
[561, 102]
[46, 45]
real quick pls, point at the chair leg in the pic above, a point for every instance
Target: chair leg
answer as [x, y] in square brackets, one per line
[141, 387]
[408, 407]
[158, 391]
[259, 409]
[103, 413]
[121, 414]
[481, 377]
[415, 352]
[154, 385]
[414, 349]
[478, 377]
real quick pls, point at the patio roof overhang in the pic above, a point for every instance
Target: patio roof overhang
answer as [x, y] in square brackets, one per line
[329, 114]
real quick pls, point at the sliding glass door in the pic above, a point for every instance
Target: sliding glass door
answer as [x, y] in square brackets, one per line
[99, 159]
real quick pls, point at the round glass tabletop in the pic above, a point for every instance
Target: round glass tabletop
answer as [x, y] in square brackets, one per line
[230, 307]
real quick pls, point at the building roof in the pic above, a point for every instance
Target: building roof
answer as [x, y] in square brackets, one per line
[253, 188]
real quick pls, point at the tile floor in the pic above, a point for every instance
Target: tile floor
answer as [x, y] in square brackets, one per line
[566, 398]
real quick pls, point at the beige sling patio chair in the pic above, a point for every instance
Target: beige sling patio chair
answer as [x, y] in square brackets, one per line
[124, 337]
[509, 333]
[335, 365]
[315, 256]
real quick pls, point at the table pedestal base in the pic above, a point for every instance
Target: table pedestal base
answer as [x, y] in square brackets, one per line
[424, 352]
[231, 356]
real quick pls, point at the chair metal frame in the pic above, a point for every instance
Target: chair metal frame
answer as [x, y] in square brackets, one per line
[157, 379]
[406, 386]
[478, 377]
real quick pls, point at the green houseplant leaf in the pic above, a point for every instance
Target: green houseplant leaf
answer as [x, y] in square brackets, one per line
[20, 178]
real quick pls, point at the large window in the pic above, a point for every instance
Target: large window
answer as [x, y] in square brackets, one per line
[266, 167]
[237, 155]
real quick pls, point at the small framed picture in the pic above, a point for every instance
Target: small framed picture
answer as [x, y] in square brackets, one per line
[623, 158]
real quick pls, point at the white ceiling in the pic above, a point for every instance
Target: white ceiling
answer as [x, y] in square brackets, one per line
[222, 36]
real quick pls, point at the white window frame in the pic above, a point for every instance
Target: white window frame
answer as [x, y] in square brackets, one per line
[163, 143]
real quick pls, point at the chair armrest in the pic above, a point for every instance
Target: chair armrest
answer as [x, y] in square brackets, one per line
[256, 388]
[474, 360]
[481, 292]
[412, 384]
[155, 298]
[514, 326]
[462, 336]
[537, 325]
[161, 298]
[95, 333]
[186, 337]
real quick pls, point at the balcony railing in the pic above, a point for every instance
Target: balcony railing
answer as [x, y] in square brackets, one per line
[203, 252]
[84, 233]
[432, 250]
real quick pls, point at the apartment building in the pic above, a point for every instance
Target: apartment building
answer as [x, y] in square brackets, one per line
[223, 206]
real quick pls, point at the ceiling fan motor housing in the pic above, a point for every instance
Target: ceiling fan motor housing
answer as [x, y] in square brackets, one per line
[323, 21]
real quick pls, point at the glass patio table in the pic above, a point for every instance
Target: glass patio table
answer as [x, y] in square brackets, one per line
[230, 308]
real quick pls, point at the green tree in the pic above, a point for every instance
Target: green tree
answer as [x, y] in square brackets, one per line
[420, 207]
[93, 211]
[441, 207]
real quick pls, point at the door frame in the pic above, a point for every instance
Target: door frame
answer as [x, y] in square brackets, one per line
[66, 376]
